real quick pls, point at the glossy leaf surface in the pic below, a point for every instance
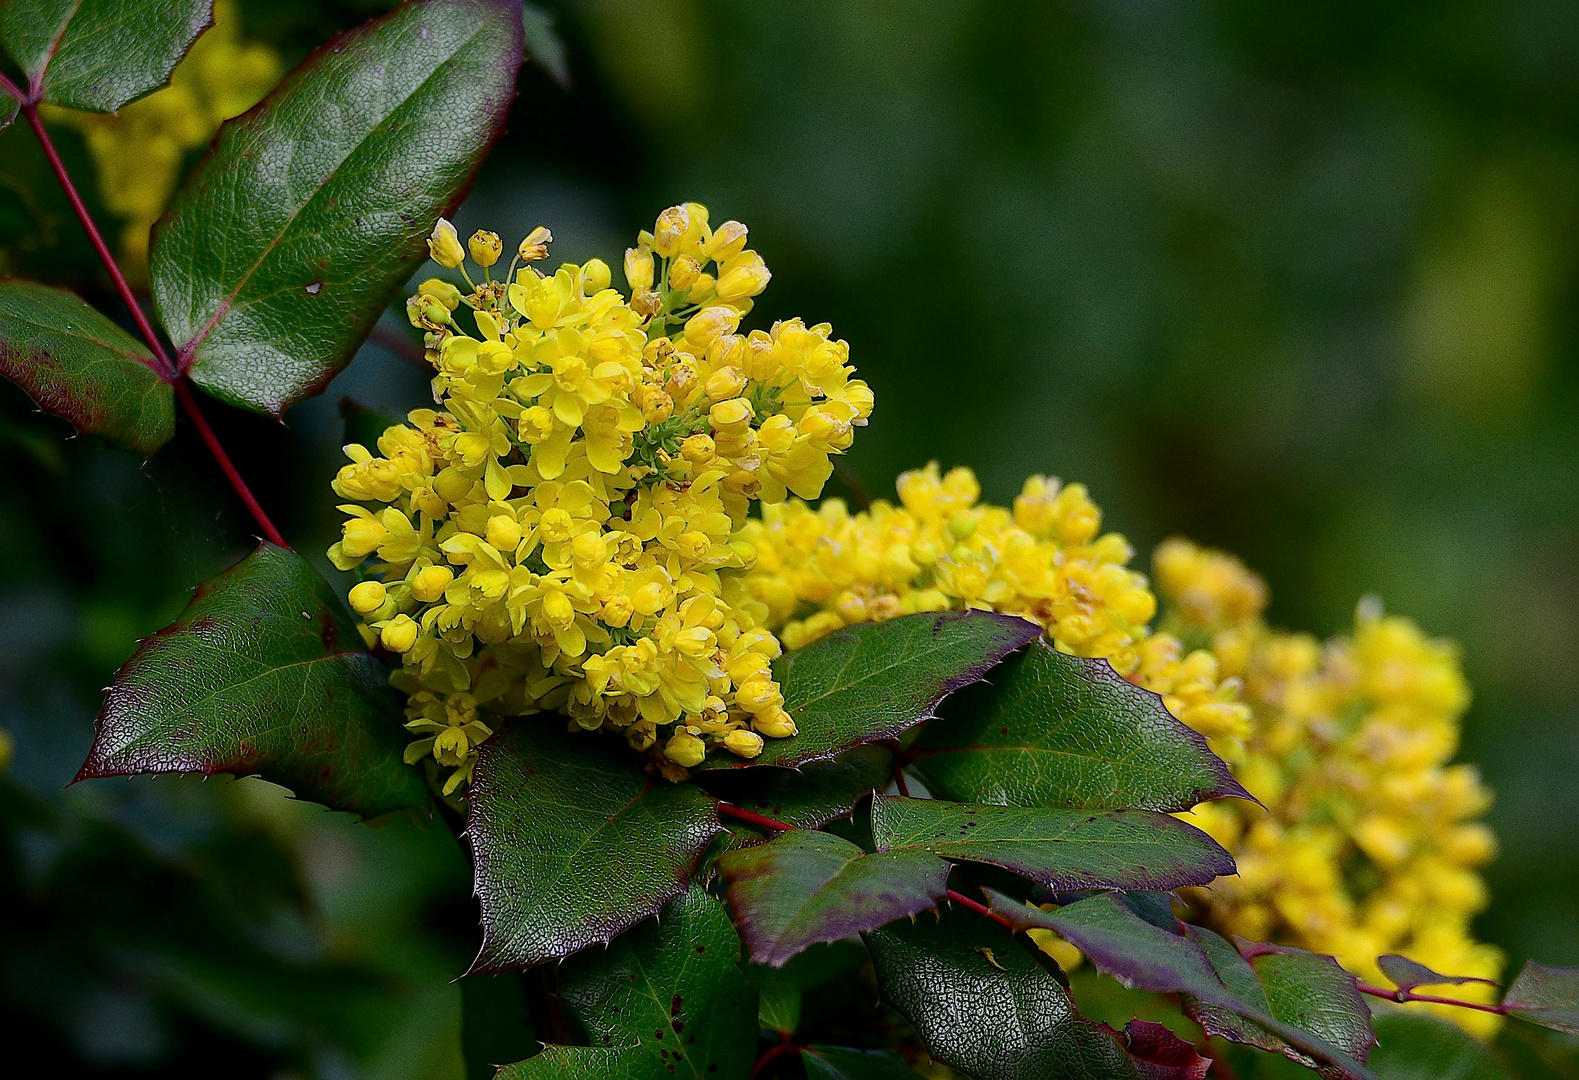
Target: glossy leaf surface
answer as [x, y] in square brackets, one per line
[1412, 1046]
[808, 797]
[98, 55]
[261, 675]
[312, 209]
[77, 364]
[802, 888]
[665, 1000]
[1548, 996]
[1056, 730]
[983, 1003]
[875, 681]
[846, 1063]
[1064, 850]
[572, 842]
[1406, 974]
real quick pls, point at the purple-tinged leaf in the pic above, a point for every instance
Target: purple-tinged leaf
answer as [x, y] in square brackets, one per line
[311, 211]
[802, 888]
[261, 675]
[572, 842]
[875, 681]
[1159, 1054]
[1143, 956]
[1056, 730]
[1548, 996]
[76, 364]
[1065, 850]
[98, 55]
[1405, 974]
[808, 797]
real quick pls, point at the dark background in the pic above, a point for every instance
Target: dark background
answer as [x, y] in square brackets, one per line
[1293, 279]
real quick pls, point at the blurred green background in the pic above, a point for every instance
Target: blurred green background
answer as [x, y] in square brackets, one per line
[1295, 280]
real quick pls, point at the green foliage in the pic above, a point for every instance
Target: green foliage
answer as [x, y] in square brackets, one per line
[1405, 974]
[573, 843]
[98, 55]
[282, 249]
[876, 681]
[808, 797]
[1060, 730]
[666, 1000]
[1548, 996]
[805, 887]
[1410, 1046]
[843, 1063]
[261, 675]
[1064, 850]
[75, 363]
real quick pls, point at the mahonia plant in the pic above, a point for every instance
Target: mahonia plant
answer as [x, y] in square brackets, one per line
[932, 753]
[564, 532]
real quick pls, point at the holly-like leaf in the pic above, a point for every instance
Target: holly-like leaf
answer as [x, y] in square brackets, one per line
[572, 842]
[97, 55]
[261, 675]
[665, 1000]
[1059, 730]
[1548, 996]
[804, 887]
[845, 1063]
[1144, 956]
[1405, 974]
[1064, 850]
[986, 1003]
[1307, 991]
[76, 364]
[808, 797]
[1159, 1054]
[1411, 1046]
[310, 212]
[875, 681]
[778, 1000]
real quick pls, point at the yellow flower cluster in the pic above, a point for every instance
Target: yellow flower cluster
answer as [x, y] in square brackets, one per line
[139, 151]
[1367, 844]
[565, 531]
[940, 547]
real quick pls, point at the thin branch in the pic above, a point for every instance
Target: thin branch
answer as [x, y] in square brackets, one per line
[726, 810]
[183, 393]
[1403, 997]
[166, 369]
[785, 1047]
[980, 909]
[12, 88]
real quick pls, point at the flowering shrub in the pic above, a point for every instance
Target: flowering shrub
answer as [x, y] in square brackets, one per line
[933, 753]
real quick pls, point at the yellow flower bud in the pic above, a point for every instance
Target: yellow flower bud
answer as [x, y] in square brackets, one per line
[724, 383]
[595, 274]
[728, 239]
[744, 275]
[444, 245]
[684, 272]
[685, 749]
[775, 724]
[743, 743]
[535, 246]
[430, 582]
[442, 291]
[367, 597]
[708, 324]
[399, 634]
[486, 247]
[670, 230]
[734, 413]
[504, 532]
[638, 267]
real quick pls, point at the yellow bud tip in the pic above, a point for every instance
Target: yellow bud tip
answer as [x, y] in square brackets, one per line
[399, 634]
[686, 750]
[367, 597]
[444, 245]
[535, 246]
[485, 247]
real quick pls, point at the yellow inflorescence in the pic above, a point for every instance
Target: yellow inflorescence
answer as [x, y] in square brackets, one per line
[138, 152]
[1367, 844]
[565, 530]
[939, 547]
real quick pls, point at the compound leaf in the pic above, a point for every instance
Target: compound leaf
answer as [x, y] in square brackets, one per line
[985, 1003]
[77, 364]
[98, 55]
[261, 675]
[666, 1000]
[572, 843]
[1065, 850]
[290, 238]
[802, 888]
[1065, 731]
[874, 681]
[1548, 996]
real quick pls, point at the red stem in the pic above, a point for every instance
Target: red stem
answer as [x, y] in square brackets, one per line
[11, 88]
[168, 374]
[1405, 996]
[726, 810]
[183, 393]
[785, 1047]
[166, 368]
[980, 909]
